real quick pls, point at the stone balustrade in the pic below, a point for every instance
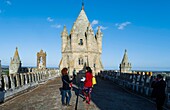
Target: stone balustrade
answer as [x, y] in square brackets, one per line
[15, 84]
[139, 83]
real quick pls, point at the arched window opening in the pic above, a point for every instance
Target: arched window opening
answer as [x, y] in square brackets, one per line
[81, 42]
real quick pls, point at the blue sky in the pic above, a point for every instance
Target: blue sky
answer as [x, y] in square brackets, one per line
[140, 26]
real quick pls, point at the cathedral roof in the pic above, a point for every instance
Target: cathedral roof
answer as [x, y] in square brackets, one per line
[125, 58]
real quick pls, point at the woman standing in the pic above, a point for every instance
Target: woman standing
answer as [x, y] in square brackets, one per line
[66, 90]
[88, 85]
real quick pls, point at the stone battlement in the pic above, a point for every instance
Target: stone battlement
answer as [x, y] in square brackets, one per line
[137, 83]
[14, 84]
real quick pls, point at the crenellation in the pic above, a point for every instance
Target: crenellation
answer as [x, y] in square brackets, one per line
[16, 80]
[6, 82]
[32, 77]
[12, 84]
[22, 79]
[140, 83]
[25, 78]
[29, 77]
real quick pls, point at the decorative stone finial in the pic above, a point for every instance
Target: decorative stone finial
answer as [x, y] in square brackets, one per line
[125, 50]
[82, 5]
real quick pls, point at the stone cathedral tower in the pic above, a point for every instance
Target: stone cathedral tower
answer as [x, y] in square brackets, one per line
[81, 47]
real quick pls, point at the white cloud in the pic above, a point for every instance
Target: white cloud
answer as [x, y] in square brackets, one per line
[94, 22]
[8, 2]
[56, 26]
[122, 26]
[102, 28]
[49, 19]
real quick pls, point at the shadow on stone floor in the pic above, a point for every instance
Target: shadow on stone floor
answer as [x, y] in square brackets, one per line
[107, 96]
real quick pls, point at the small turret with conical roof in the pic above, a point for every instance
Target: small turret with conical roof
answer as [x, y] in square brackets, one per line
[99, 39]
[15, 64]
[16, 55]
[125, 66]
[64, 36]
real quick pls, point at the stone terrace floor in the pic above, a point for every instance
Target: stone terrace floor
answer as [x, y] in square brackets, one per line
[105, 96]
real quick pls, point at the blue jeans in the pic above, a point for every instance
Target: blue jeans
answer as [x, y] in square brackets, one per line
[66, 94]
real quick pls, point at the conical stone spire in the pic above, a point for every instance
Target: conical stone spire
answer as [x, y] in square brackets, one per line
[81, 23]
[99, 33]
[15, 64]
[125, 58]
[16, 55]
[125, 66]
[64, 33]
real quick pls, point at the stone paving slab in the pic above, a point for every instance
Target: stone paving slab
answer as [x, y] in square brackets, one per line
[105, 96]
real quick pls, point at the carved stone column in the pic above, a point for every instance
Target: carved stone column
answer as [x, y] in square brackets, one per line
[29, 78]
[32, 75]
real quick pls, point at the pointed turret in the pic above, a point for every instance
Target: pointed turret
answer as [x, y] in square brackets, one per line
[99, 39]
[90, 29]
[64, 36]
[64, 33]
[81, 23]
[125, 57]
[99, 33]
[125, 66]
[16, 56]
[15, 64]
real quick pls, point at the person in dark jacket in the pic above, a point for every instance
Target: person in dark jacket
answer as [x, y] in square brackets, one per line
[158, 92]
[66, 89]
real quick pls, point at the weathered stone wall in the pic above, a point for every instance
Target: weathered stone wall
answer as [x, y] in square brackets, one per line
[138, 83]
[14, 84]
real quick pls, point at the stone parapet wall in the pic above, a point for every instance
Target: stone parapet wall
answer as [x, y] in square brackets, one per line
[15, 84]
[137, 83]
